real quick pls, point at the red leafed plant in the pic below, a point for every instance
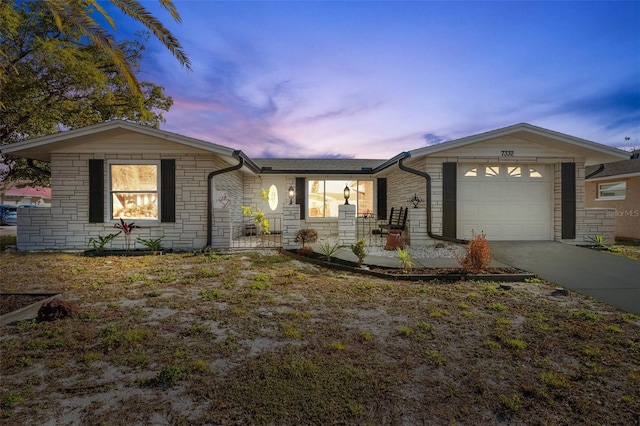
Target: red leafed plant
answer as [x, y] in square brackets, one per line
[478, 254]
[127, 228]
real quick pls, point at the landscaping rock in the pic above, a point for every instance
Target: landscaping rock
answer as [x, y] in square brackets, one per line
[57, 309]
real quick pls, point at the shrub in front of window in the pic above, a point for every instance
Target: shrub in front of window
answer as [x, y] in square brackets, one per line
[127, 228]
[151, 244]
[100, 242]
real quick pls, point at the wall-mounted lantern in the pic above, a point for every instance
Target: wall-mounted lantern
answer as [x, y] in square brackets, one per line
[347, 194]
[291, 194]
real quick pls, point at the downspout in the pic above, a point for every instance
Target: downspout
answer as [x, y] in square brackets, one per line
[427, 178]
[213, 174]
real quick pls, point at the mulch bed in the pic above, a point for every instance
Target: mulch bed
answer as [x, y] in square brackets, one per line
[498, 274]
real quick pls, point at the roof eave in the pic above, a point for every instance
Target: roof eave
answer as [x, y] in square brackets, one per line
[610, 177]
[505, 131]
[31, 145]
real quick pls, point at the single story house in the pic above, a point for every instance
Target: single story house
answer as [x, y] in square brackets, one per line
[516, 183]
[616, 185]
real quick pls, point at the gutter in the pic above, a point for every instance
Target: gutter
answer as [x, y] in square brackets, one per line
[598, 170]
[241, 162]
[427, 178]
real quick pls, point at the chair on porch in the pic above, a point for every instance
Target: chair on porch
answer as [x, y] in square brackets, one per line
[397, 220]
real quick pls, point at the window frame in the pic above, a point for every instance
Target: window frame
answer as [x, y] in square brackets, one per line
[600, 197]
[351, 198]
[109, 191]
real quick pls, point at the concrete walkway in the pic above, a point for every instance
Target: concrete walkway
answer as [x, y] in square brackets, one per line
[612, 279]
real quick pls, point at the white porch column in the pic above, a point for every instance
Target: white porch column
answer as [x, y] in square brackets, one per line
[417, 224]
[290, 225]
[346, 224]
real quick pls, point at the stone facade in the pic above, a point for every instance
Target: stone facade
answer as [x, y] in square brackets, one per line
[346, 224]
[290, 226]
[65, 226]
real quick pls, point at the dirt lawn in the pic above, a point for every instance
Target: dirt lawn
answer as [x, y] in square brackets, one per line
[257, 338]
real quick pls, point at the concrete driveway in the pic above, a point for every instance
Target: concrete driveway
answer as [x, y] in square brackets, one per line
[612, 279]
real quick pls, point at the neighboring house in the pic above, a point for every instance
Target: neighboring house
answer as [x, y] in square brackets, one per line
[517, 183]
[27, 196]
[617, 185]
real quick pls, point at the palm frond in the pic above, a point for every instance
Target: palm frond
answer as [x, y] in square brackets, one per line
[74, 15]
[137, 11]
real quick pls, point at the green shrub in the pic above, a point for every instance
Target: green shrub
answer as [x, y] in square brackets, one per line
[359, 250]
[406, 260]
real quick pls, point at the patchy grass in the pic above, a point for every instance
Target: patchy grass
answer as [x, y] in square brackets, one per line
[256, 338]
[7, 240]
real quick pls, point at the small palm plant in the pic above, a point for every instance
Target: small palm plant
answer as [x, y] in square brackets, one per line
[328, 248]
[100, 242]
[151, 244]
[406, 260]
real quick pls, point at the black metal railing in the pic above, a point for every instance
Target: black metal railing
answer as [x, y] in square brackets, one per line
[249, 234]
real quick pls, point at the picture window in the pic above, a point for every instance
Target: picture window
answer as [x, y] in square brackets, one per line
[134, 191]
[325, 196]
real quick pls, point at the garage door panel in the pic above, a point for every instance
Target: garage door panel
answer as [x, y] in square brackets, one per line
[506, 207]
[469, 210]
[489, 211]
[513, 229]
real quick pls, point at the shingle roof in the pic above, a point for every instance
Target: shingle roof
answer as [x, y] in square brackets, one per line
[317, 164]
[617, 168]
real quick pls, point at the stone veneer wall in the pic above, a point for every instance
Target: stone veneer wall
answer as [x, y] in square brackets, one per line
[589, 222]
[402, 186]
[65, 226]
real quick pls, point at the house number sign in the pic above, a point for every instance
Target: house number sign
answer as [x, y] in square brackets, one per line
[507, 153]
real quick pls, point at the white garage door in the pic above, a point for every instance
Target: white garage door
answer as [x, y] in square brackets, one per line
[506, 202]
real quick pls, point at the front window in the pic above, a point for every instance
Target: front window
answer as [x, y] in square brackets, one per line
[134, 191]
[612, 191]
[326, 195]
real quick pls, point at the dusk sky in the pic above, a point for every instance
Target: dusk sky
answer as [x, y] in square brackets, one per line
[372, 79]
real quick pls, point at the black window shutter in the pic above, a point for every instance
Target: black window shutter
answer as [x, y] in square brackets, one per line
[168, 190]
[449, 200]
[301, 196]
[568, 206]
[382, 198]
[96, 191]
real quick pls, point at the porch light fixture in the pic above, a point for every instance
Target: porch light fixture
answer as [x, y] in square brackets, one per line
[415, 200]
[291, 194]
[347, 194]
